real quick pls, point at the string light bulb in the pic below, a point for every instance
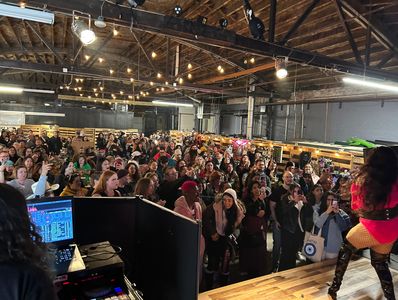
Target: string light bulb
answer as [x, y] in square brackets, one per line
[189, 76]
[131, 79]
[129, 70]
[189, 66]
[153, 54]
[159, 75]
[115, 31]
[111, 71]
[101, 60]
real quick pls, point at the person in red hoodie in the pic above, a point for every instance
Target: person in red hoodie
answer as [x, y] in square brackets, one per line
[188, 205]
[375, 198]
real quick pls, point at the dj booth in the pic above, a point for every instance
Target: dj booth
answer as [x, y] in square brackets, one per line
[125, 248]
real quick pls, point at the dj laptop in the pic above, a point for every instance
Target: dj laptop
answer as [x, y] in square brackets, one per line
[53, 218]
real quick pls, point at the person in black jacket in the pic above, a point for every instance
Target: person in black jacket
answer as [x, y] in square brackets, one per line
[24, 260]
[55, 143]
[296, 219]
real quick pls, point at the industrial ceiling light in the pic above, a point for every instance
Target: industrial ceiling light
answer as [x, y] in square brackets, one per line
[178, 10]
[202, 20]
[166, 103]
[26, 14]
[100, 22]
[372, 84]
[135, 3]
[280, 67]
[82, 31]
[11, 90]
[223, 23]
[20, 90]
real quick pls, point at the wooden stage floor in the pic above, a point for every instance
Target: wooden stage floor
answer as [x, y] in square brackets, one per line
[307, 282]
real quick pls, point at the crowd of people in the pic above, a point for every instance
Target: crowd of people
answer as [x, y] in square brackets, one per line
[237, 192]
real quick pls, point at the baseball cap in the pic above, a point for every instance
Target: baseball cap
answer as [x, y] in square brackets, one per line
[121, 173]
[188, 185]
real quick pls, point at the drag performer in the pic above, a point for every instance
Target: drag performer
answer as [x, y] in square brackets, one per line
[375, 199]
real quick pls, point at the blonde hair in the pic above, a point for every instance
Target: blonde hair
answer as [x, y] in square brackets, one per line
[101, 184]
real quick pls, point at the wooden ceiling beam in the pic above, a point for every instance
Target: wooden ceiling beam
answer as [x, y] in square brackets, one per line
[98, 51]
[250, 71]
[44, 41]
[385, 36]
[195, 32]
[347, 30]
[299, 21]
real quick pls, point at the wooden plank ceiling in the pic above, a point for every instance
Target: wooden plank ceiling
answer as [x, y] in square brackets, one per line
[330, 29]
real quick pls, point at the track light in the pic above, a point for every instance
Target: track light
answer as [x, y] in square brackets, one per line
[280, 67]
[202, 20]
[178, 10]
[223, 23]
[82, 31]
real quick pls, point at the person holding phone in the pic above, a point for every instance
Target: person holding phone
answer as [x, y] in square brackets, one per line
[375, 198]
[333, 221]
[24, 184]
[296, 218]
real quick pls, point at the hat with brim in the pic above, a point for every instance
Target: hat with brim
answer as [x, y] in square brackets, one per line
[49, 188]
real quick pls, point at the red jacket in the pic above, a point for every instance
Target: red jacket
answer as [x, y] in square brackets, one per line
[383, 231]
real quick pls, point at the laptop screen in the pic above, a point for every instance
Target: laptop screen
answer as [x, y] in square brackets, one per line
[53, 219]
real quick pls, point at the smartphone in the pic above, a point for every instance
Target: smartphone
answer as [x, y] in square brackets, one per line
[335, 204]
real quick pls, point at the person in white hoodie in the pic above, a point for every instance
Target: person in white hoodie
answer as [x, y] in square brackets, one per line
[220, 220]
[188, 205]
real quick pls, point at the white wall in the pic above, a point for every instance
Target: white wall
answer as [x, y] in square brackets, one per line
[186, 118]
[367, 120]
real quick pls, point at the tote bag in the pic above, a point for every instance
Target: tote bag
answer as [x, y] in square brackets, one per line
[313, 246]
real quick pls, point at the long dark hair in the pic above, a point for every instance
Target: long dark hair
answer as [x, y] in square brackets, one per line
[231, 215]
[377, 176]
[20, 243]
[324, 201]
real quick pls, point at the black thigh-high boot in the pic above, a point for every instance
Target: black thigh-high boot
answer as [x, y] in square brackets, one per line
[209, 278]
[343, 259]
[379, 263]
[224, 279]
